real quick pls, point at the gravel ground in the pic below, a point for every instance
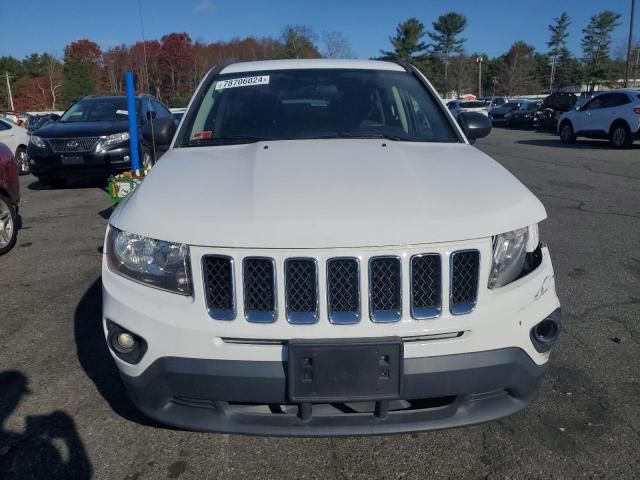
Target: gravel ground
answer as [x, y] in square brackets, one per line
[63, 412]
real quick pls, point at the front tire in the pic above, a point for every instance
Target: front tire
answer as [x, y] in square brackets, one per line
[620, 136]
[22, 161]
[8, 225]
[567, 135]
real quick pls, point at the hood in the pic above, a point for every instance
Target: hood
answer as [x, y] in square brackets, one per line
[560, 101]
[503, 109]
[327, 193]
[81, 129]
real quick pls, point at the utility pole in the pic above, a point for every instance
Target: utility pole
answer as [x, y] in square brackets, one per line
[6, 75]
[479, 61]
[628, 66]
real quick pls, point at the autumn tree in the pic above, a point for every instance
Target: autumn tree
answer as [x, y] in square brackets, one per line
[116, 62]
[298, 41]
[446, 39]
[518, 69]
[596, 43]
[176, 63]
[336, 45]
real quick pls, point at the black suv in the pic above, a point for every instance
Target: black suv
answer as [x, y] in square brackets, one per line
[92, 139]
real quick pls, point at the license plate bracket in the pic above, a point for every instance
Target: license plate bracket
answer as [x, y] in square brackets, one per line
[324, 371]
[72, 160]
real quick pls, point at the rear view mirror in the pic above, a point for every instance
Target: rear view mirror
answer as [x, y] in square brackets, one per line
[474, 125]
[159, 131]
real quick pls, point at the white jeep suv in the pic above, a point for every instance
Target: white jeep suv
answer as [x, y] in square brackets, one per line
[614, 115]
[322, 252]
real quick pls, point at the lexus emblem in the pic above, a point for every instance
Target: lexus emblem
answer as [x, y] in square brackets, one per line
[73, 145]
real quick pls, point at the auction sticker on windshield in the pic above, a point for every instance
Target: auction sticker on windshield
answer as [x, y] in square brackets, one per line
[243, 82]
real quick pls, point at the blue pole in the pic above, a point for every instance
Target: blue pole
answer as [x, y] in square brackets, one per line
[133, 122]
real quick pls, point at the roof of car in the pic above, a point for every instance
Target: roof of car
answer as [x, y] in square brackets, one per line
[294, 64]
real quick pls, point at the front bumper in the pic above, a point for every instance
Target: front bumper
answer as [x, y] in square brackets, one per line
[100, 163]
[249, 397]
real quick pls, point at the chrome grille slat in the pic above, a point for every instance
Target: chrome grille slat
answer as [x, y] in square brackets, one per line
[73, 145]
[465, 272]
[426, 286]
[219, 290]
[259, 279]
[385, 289]
[301, 290]
[343, 290]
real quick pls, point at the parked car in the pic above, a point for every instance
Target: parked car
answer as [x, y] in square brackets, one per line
[322, 252]
[493, 102]
[613, 115]
[497, 115]
[9, 198]
[92, 139]
[177, 114]
[17, 139]
[522, 117]
[459, 106]
[546, 118]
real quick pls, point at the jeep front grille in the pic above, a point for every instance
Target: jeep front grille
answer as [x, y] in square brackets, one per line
[217, 271]
[259, 278]
[301, 280]
[426, 291]
[343, 290]
[385, 289]
[463, 294]
[73, 145]
[301, 290]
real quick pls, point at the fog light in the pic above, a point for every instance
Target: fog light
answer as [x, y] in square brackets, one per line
[126, 345]
[126, 158]
[126, 340]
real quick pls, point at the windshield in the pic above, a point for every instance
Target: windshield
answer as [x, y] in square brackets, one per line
[97, 110]
[527, 107]
[317, 103]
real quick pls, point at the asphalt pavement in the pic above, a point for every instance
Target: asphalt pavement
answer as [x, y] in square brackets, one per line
[64, 414]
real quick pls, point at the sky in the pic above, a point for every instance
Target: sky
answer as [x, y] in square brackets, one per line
[493, 25]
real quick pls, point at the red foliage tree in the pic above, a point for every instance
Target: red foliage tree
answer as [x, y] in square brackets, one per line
[176, 62]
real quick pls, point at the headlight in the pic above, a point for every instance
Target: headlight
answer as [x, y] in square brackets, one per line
[528, 115]
[159, 264]
[510, 254]
[38, 142]
[114, 139]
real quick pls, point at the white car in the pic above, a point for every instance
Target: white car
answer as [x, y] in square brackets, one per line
[459, 106]
[322, 252]
[17, 139]
[613, 115]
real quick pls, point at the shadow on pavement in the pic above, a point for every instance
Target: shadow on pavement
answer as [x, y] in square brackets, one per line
[49, 447]
[69, 184]
[95, 358]
[580, 144]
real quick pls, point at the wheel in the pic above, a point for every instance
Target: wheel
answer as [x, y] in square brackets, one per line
[566, 133]
[620, 136]
[147, 160]
[8, 225]
[22, 161]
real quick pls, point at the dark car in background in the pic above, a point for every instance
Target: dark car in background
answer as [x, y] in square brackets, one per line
[522, 117]
[37, 121]
[91, 139]
[553, 106]
[496, 115]
[9, 198]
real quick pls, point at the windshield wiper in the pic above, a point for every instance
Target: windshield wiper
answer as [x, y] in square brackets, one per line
[384, 136]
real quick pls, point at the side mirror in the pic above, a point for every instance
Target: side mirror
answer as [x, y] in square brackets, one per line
[474, 125]
[159, 131]
[151, 115]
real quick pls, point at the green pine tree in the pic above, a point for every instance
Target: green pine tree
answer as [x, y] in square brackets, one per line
[77, 81]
